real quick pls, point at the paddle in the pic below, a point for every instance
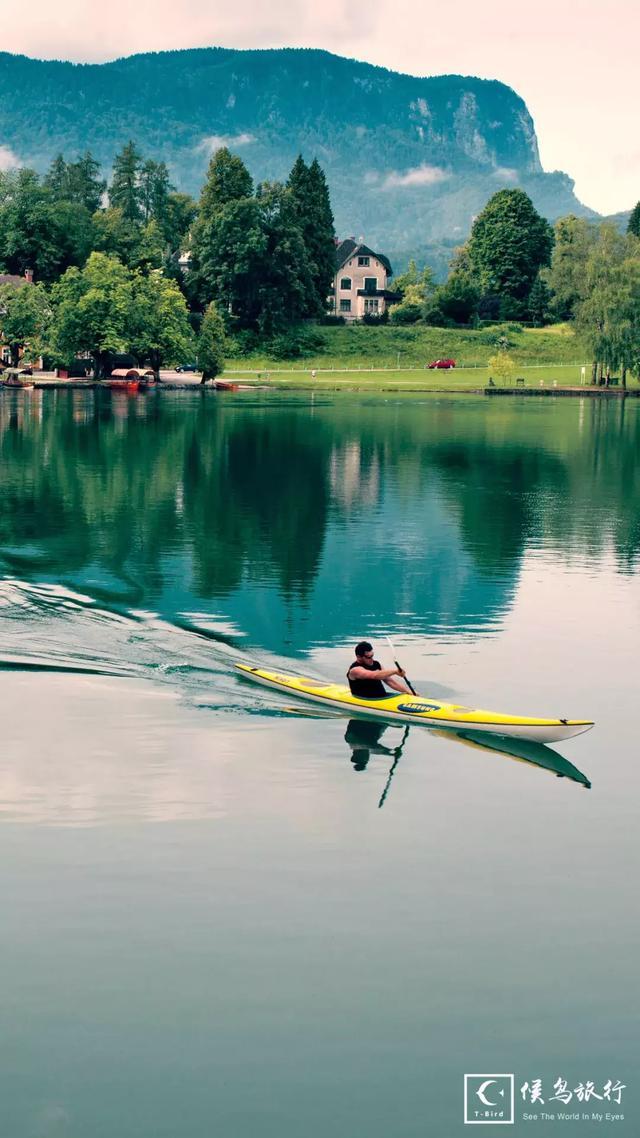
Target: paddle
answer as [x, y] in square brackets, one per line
[393, 767]
[393, 653]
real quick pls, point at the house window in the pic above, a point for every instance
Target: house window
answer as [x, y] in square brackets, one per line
[371, 304]
[345, 283]
[363, 261]
[345, 306]
[370, 284]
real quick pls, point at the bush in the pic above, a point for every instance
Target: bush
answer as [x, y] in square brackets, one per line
[331, 320]
[375, 318]
[405, 313]
[243, 343]
[296, 342]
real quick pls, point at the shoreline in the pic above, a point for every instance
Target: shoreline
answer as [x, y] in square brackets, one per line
[329, 385]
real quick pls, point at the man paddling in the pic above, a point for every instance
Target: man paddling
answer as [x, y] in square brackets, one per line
[363, 670]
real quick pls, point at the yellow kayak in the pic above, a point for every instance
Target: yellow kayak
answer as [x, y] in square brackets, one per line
[419, 709]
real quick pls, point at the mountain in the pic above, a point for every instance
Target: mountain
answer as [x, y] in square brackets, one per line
[621, 220]
[410, 161]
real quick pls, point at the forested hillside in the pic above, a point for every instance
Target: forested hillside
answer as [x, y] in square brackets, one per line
[409, 161]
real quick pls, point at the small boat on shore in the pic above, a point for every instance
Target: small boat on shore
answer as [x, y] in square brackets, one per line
[225, 385]
[421, 710]
[130, 379]
[17, 378]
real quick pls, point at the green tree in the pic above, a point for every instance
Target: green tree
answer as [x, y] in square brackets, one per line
[149, 250]
[601, 310]
[502, 366]
[634, 221]
[312, 210]
[566, 276]
[125, 191]
[115, 235]
[404, 280]
[85, 186]
[539, 302]
[25, 315]
[93, 311]
[458, 298]
[608, 320]
[510, 242]
[227, 181]
[181, 214]
[255, 263]
[37, 231]
[155, 188]
[211, 343]
[411, 307]
[422, 280]
[159, 331]
[77, 182]
[57, 178]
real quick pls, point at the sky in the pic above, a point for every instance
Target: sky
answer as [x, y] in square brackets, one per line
[573, 63]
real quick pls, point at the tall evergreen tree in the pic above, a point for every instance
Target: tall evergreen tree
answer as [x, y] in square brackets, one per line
[634, 221]
[85, 184]
[312, 208]
[76, 181]
[228, 184]
[57, 178]
[155, 188]
[228, 180]
[125, 192]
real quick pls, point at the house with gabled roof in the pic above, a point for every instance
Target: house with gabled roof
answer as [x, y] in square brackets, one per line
[360, 285]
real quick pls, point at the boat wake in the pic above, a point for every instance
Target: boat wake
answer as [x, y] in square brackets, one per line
[51, 628]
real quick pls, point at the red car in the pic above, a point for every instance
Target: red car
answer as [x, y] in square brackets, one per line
[443, 363]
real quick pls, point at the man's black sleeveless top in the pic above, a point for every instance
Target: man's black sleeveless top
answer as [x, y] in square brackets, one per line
[367, 689]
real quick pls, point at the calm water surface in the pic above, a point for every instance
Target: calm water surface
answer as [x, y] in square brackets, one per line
[225, 915]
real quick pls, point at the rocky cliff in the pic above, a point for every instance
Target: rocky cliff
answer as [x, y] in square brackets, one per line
[410, 161]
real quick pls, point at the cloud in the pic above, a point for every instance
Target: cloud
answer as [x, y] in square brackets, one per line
[423, 175]
[214, 142]
[90, 30]
[8, 160]
[505, 174]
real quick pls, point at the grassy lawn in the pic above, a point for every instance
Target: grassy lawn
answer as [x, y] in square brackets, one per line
[350, 348]
[461, 379]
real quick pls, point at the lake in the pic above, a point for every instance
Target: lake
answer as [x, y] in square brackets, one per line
[226, 914]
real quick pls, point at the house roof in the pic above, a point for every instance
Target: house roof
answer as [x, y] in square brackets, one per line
[350, 248]
[12, 279]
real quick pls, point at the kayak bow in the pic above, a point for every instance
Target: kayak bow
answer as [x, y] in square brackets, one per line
[418, 709]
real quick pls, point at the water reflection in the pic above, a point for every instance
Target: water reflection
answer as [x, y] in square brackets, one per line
[524, 751]
[363, 737]
[364, 740]
[303, 524]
